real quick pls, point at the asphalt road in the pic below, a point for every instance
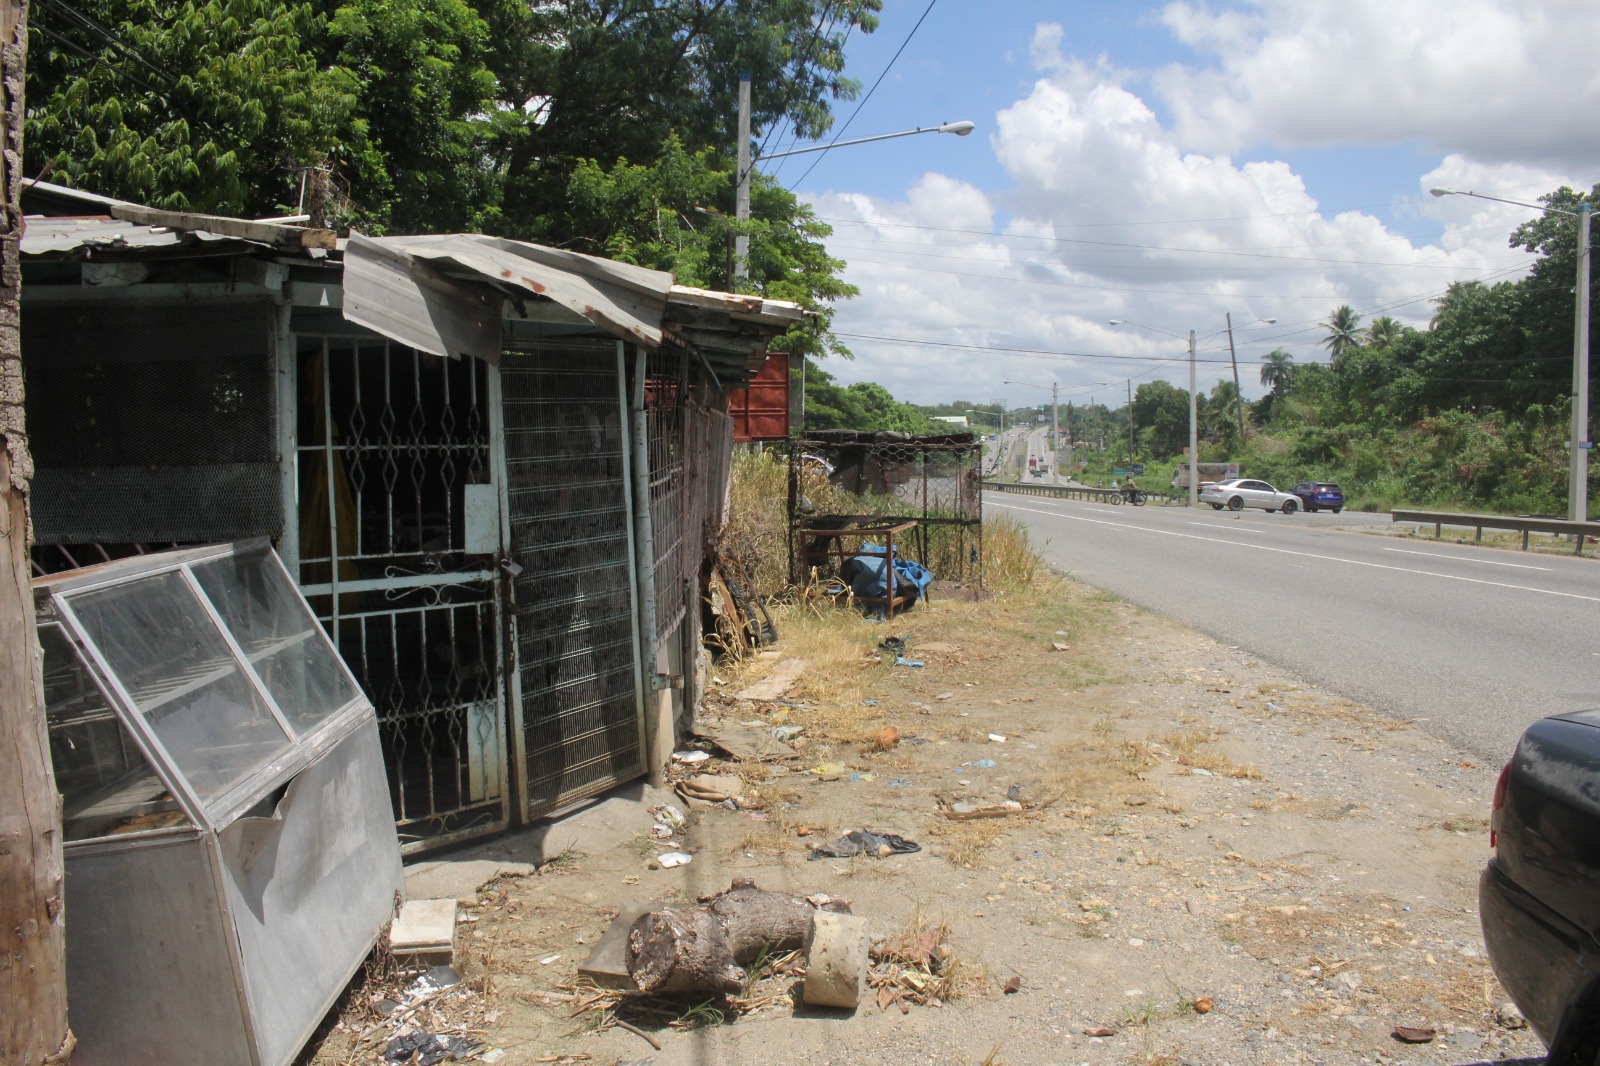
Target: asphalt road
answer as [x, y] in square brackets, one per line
[1476, 643]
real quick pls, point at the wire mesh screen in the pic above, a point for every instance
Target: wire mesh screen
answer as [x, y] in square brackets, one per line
[153, 422]
[390, 442]
[569, 528]
[839, 477]
[666, 393]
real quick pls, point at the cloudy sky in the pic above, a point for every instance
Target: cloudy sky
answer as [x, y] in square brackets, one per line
[1172, 163]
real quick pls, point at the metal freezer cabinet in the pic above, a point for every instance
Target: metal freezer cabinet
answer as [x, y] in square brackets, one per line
[230, 848]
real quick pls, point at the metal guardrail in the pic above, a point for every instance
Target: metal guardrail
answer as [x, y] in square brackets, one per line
[1524, 524]
[1076, 492]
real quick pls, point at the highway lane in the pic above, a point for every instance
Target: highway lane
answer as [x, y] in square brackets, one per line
[1478, 642]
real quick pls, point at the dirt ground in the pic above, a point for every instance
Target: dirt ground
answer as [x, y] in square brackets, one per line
[1213, 864]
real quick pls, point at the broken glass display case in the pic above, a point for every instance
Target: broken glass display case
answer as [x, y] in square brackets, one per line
[230, 848]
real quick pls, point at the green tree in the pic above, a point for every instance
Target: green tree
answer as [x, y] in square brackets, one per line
[1277, 371]
[1161, 416]
[1344, 331]
[1383, 331]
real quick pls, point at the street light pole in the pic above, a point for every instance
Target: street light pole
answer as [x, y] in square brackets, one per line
[1578, 465]
[742, 195]
[1194, 433]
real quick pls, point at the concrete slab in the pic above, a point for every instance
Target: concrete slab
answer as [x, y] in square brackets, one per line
[425, 931]
[607, 964]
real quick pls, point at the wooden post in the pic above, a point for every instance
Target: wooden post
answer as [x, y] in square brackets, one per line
[33, 973]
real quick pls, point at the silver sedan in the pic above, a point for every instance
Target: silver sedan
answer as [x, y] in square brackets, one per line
[1239, 493]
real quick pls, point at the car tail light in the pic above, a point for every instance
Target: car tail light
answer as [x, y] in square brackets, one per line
[1499, 804]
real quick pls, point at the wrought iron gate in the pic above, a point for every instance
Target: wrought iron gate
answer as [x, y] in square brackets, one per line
[568, 493]
[398, 533]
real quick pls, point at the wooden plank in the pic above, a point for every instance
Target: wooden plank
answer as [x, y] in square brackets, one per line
[272, 233]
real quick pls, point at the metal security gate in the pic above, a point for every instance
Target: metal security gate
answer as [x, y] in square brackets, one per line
[398, 536]
[571, 551]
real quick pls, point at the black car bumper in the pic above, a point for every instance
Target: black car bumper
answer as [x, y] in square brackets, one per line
[1546, 963]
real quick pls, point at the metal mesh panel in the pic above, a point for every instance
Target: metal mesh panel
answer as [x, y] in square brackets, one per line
[383, 560]
[837, 477]
[569, 529]
[153, 422]
[665, 397]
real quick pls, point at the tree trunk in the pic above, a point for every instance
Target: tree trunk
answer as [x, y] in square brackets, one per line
[701, 948]
[33, 974]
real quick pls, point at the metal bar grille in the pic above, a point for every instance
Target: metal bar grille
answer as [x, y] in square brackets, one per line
[567, 492]
[390, 438]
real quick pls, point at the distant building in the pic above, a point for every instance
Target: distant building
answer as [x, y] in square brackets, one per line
[954, 420]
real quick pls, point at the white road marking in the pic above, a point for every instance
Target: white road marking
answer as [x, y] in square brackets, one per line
[1458, 559]
[1240, 529]
[1305, 555]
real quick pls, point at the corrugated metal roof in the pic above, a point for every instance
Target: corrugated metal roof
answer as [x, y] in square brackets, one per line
[386, 276]
[57, 236]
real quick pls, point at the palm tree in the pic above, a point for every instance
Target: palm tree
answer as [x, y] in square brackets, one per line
[1344, 331]
[1277, 369]
[1456, 294]
[1384, 331]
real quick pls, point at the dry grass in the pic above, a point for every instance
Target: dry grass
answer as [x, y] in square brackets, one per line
[1011, 563]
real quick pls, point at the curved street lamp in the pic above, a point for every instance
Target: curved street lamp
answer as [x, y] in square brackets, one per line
[741, 201]
[1578, 467]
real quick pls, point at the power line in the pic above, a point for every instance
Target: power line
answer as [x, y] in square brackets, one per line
[864, 99]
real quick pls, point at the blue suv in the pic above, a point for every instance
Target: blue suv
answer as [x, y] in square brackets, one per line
[1317, 495]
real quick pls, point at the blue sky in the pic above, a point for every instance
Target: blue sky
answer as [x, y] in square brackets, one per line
[1172, 163]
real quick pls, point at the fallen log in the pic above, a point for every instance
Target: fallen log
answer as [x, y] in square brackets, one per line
[704, 947]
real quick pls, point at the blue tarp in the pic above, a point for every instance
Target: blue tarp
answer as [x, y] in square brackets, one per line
[865, 573]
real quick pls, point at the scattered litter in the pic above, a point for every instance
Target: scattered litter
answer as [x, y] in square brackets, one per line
[1200, 771]
[427, 1049]
[711, 788]
[674, 858]
[900, 782]
[828, 771]
[983, 764]
[755, 741]
[1418, 1034]
[997, 738]
[787, 733]
[901, 660]
[1507, 1016]
[435, 979]
[1203, 1005]
[963, 811]
[865, 842]
[1058, 646]
[760, 816]
[1274, 706]
[1099, 1030]
[888, 737]
[668, 819]
[548, 959]
[858, 778]
[892, 644]
[1013, 986]
[870, 703]
[944, 695]
[494, 1054]
[690, 756]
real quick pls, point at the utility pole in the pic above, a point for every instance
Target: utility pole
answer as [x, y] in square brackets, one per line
[1130, 420]
[741, 202]
[1238, 397]
[1578, 469]
[1194, 433]
[33, 970]
[1055, 433]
